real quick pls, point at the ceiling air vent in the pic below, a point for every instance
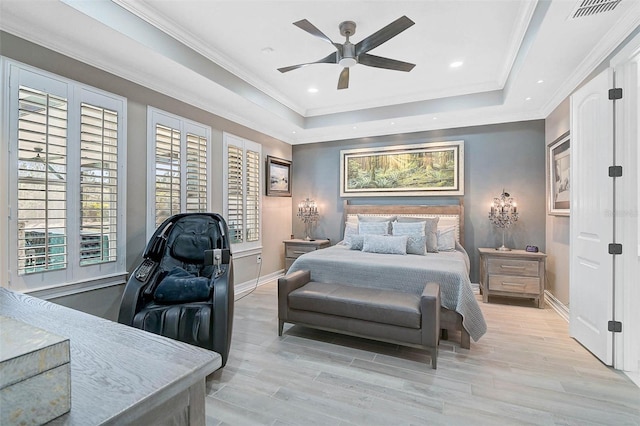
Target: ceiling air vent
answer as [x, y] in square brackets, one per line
[592, 7]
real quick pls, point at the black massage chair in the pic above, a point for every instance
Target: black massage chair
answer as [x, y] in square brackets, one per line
[183, 289]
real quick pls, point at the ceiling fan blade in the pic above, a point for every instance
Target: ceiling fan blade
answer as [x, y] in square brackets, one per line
[330, 59]
[386, 33]
[380, 62]
[307, 26]
[343, 81]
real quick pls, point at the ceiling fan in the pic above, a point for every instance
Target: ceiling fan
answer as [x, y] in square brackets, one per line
[348, 54]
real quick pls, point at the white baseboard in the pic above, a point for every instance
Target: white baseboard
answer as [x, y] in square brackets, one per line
[251, 285]
[557, 305]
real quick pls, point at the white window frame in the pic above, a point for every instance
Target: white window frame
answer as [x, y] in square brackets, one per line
[156, 116]
[246, 247]
[73, 278]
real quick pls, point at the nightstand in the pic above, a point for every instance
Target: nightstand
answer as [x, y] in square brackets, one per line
[294, 248]
[515, 273]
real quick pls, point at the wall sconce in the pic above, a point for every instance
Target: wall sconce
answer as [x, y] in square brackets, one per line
[503, 213]
[308, 213]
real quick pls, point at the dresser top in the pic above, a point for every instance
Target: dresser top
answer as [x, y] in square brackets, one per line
[512, 253]
[311, 242]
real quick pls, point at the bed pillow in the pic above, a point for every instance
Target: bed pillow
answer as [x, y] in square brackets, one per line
[447, 238]
[354, 241]
[416, 240]
[430, 230]
[365, 218]
[386, 244]
[374, 228]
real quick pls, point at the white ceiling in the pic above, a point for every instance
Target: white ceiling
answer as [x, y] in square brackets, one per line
[223, 56]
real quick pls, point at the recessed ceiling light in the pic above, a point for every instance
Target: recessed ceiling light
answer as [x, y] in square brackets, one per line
[294, 132]
[435, 118]
[393, 122]
[527, 98]
[456, 64]
[540, 81]
[312, 90]
[354, 127]
[267, 49]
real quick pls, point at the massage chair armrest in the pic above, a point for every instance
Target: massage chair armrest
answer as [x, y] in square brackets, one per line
[131, 298]
[286, 285]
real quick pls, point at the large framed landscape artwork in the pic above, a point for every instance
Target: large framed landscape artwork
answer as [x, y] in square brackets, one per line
[426, 169]
[559, 176]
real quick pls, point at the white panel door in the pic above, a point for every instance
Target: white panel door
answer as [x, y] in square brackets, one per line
[591, 267]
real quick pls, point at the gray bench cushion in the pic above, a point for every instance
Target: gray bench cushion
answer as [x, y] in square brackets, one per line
[382, 306]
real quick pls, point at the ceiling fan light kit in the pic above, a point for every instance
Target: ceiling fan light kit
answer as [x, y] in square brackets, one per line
[347, 54]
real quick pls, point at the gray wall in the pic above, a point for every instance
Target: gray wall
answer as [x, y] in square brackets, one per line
[276, 212]
[557, 232]
[509, 156]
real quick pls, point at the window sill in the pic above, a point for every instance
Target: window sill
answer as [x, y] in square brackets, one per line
[78, 287]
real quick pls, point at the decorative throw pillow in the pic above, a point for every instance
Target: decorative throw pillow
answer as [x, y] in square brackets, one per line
[447, 238]
[375, 228]
[354, 241]
[416, 240]
[388, 219]
[430, 230]
[385, 244]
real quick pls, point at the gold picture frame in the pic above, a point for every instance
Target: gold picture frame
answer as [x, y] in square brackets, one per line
[427, 169]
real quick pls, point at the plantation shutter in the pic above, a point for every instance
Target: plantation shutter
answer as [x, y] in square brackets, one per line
[253, 195]
[98, 184]
[242, 191]
[168, 169]
[235, 194]
[42, 181]
[196, 173]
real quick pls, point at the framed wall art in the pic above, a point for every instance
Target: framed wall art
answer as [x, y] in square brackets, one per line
[559, 156]
[428, 169]
[278, 177]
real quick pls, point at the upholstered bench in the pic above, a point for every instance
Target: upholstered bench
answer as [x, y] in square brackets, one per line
[387, 315]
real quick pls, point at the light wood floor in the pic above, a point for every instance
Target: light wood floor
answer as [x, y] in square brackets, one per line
[525, 370]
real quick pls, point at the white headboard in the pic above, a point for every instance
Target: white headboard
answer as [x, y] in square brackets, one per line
[450, 214]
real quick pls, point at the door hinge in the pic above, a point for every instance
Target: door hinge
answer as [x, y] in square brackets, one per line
[615, 93]
[614, 326]
[615, 248]
[615, 171]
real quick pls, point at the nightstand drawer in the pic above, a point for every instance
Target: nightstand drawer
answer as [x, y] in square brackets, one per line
[296, 250]
[526, 268]
[514, 284]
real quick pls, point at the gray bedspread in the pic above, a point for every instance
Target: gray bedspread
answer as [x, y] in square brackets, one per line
[408, 273]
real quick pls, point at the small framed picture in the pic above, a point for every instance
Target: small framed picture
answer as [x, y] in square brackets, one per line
[559, 176]
[278, 177]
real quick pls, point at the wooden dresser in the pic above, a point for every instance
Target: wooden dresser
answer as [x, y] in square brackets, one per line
[294, 248]
[515, 273]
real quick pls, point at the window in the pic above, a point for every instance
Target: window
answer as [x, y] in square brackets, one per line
[66, 181]
[179, 159]
[242, 191]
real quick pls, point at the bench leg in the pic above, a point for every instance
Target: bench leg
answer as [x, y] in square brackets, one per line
[465, 340]
[434, 357]
[280, 327]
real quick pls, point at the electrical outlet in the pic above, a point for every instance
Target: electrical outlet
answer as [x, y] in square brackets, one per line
[259, 259]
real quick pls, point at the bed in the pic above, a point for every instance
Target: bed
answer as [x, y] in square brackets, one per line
[460, 311]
